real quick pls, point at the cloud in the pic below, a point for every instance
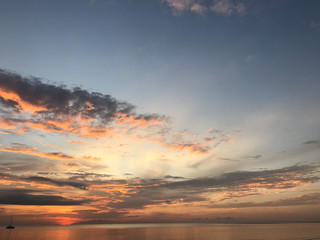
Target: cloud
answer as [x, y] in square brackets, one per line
[306, 199]
[232, 185]
[106, 193]
[76, 141]
[223, 7]
[180, 6]
[60, 109]
[86, 176]
[254, 156]
[39, 181]
[91, 158]
[271, 179]
[198, 8]
[197, 148]
[316, 142]
[315, 25]
[227, 7]
[34, 152]
[173, 177]
[59, 183]
[71, 165]
[155, 196]
[22, 163]
[50, 108]
[26, 197]
[13, 105]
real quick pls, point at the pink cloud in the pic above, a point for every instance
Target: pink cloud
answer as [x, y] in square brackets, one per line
[198, 8]
[180, 5]
[187, 5]
[227, 7]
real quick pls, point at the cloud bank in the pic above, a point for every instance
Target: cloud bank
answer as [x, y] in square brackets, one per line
[28, 104]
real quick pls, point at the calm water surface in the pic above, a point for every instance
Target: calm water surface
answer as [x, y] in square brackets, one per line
[167, 232]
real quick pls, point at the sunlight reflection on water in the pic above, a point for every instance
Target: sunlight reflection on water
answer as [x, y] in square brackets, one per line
[167, 232]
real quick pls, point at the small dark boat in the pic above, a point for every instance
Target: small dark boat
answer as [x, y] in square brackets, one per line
[10, 226]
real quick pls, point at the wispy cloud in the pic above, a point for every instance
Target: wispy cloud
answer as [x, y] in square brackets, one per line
[201, 7]
[56, 182]
[312, 142]
[198, 8]
[315, 25]
[34, 152]
[228, 7]
[91, 158]
[76, 141]
[180, 6]
[305, 199]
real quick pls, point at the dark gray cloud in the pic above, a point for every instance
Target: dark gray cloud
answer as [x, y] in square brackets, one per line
[312, 142]
[55, 108]
[9, 104]
[85, 176]
[160, 191]
[58, 102]
[59, 183]
[173, 177]
[154, 195]
[306, 199]
[255, 156]
[228, 159]
[39, 179]
[268, 178]
[140, 193]
[23, 163]
[26, 197]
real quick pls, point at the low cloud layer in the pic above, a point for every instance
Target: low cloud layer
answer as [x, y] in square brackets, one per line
[233, 184]
[115, 198]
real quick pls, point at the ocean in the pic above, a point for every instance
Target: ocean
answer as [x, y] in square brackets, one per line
[307, 231]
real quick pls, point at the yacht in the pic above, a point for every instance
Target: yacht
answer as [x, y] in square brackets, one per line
[10, 226]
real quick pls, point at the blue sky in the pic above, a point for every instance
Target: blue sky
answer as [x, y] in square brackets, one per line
[237, 81]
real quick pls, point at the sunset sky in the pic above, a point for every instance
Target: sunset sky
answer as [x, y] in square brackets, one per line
[124, 111]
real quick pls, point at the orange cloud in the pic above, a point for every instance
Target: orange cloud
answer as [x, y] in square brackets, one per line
[22, 105]
[195, 148]
[20, 131]
[76, 141]
[82, 113]
[277, 185]
[91, 158]
[6, 124]
[22, 184]
[34, 152]
[7, 132]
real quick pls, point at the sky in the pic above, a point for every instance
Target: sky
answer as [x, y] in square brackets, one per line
[127, 111]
